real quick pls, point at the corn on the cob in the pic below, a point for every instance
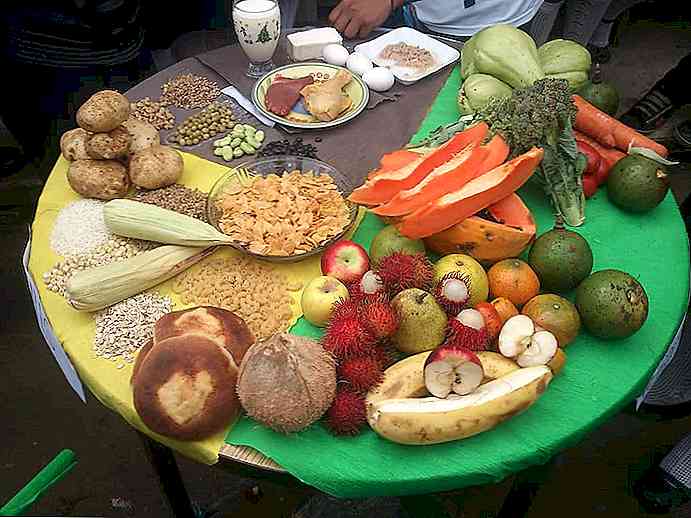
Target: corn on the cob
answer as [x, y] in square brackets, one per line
[138, 220]
[103, 286]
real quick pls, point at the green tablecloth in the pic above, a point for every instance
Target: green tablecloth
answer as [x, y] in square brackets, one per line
[599, 378]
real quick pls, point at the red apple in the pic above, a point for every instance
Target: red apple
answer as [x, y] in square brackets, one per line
[452, 369]
[345, 260]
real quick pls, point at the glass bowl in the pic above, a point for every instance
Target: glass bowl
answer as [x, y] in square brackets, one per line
[279, 165]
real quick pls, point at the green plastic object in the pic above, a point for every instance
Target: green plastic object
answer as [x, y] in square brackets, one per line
[598, 380]
[53, 472]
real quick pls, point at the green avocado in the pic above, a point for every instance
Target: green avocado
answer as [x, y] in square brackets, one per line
[561, 258]
[637, 183]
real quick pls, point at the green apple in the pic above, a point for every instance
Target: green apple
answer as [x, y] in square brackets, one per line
[319, 297]
[422, 321]
[390, 240]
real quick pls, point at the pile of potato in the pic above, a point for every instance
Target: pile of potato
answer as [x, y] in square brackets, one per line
[110, 150]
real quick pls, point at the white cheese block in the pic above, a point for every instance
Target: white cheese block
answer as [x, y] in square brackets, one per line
[309, 44]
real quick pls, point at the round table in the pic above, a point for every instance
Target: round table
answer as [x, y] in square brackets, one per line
[599, 378]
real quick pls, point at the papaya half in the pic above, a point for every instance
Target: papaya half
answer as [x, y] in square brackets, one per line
[509, 231]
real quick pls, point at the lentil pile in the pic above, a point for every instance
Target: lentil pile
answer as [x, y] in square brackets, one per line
[79, 227]
[126, 326]
[212, 120]
[116, 249]
[249, 288]
[189, 91]
[152, 112]
[286, 147]
[191, 202]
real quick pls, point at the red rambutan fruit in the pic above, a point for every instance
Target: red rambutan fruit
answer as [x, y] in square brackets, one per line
[400, 271]
[459, 334]
[347, 414]
[361, 373]
[347, 338]
[452, 292]
[385, 354]
[379, 317]
[344, 309]
[369, 286]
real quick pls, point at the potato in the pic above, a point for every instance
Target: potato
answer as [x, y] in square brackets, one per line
[114, 144]
[144, 135]
[104, 111]
[73, 144]
[102, 179]
[155, 167]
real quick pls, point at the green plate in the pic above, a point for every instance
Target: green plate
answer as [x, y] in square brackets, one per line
[356, 89]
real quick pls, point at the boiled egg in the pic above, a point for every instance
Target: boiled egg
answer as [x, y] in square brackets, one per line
[358, 63]
[335, 54]
[378, 79]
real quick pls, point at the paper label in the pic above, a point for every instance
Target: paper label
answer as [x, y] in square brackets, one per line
[47, 330]
[233, 92]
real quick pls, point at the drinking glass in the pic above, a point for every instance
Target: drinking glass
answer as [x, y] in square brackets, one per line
[258, 26]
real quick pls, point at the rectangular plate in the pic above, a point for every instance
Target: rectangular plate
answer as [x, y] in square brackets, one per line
[444, 55]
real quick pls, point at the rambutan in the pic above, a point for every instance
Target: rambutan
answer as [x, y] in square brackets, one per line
[347, 338]
[385, 354]
[347, 414]
[452, 292]
[400, 271]
[459, 334]
[369, 286]
[361, 373]
[344, 309]
[379, 317]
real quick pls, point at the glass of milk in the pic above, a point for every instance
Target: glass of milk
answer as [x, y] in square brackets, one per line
[258, 26]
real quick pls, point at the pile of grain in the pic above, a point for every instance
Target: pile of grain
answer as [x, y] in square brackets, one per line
[152, 112]
[191, 202]
[189, 91]
[79, 228]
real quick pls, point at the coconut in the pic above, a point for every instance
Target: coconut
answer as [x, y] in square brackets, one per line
[286, 382]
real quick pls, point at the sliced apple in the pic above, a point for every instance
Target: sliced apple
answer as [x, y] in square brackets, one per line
[543, 346]
[452, 369]
[515, 335]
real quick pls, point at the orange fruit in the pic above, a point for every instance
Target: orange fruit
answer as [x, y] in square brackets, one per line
[505, 308]
[555, 314]
[557, 363]
[513, 279]
[493, 321]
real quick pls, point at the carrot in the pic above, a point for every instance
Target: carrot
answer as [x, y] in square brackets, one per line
[609, 131]
[610, 155]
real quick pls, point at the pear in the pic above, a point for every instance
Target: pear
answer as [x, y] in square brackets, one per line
[422, 321]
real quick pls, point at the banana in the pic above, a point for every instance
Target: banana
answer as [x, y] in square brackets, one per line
[431, 420]
[405, 379]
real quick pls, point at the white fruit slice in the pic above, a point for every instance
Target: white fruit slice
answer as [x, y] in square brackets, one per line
[543, 346]
[433, 420]
[515, 335]
[452, 369]
[471, 318]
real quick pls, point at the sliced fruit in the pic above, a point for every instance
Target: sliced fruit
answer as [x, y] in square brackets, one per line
[557, 363]
[452, 292]
[468, 267]
[383, 187]
[471, 318]
[509, 231]
[476, 195]
[452, 369]
[542, 348]
[496, 365]
[505, 308]
[515, 335]
[433, 420]
[454, 174]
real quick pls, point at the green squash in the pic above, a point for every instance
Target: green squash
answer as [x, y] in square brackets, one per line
[477, 90]
[565, 59]
[504, 52]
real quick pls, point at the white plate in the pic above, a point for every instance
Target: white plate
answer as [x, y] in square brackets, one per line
[443, 54]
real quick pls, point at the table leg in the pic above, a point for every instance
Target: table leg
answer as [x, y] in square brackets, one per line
[163, 461]
[525, 486]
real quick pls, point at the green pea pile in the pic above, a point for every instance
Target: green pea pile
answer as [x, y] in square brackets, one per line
[212, 120]
[242, 140]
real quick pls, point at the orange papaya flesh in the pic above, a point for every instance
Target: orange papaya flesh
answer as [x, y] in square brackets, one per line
[385, 185]
[394, 160]
[452, 175]
[476, 195]
[498, 152]
[509, 232]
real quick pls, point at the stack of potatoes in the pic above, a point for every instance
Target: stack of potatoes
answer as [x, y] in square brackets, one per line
[110, 150]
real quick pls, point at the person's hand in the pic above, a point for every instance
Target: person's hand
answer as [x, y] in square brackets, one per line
[358, 17]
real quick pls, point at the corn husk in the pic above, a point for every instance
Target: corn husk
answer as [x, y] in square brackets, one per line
[103, 286]
[139, 220]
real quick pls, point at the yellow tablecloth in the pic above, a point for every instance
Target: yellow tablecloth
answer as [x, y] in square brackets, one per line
[75, 329]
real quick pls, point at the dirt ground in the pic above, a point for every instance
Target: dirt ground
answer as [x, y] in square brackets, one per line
[41, 415]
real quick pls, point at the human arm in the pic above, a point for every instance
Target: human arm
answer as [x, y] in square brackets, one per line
[357, 18]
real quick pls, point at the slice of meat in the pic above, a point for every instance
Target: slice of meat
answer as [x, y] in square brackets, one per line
[284, 92]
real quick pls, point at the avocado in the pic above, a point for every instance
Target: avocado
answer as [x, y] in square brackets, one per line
[561, 258]
[637, 183]
[612, 304]
[600, 94]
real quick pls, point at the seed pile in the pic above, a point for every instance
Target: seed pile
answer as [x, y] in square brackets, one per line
[115, 249]
[79, 228]
[126, 326]
[249, 288]
[212, 120]
[189, 91]
[152, 112]
[191, 202]
[286, 147]
[243, 140]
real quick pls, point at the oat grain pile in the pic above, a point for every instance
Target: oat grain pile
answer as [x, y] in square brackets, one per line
[249, 288]
[283, 215]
